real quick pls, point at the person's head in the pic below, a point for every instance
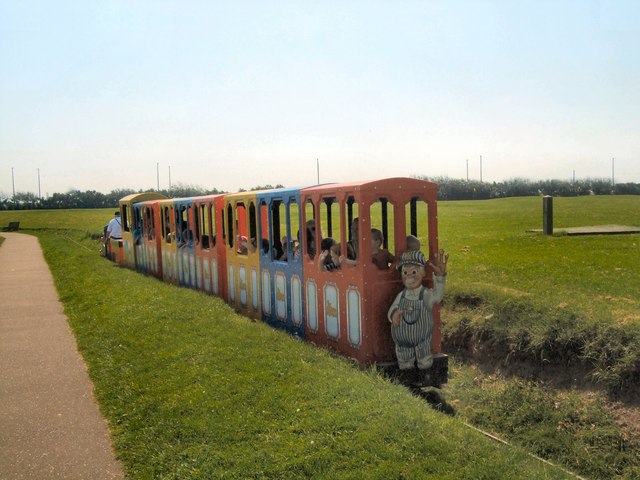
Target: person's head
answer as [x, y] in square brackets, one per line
[413, 243]
[327, 243]
[354, 229]
[330, 245]
[377, 239]
[117, 213]
[412, 268]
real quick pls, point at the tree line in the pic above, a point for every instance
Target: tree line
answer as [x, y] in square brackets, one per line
[448, 189]
[458, 189]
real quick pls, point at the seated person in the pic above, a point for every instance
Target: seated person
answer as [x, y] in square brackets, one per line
[413, 244]
[283, 257]
[381, 257]
[329, 259]
[352, 246]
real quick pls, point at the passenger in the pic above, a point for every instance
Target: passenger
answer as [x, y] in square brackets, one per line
[284, 255]
[329, 259]
[311, 238]
[413, 243]
[265, 246]
[243, 245]
[380, 257]
[352, 246]
[114, 229]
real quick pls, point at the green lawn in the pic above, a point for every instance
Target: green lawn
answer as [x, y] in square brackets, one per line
[194, 391]
[593, 275]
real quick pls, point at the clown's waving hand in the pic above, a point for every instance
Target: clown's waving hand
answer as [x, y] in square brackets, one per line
[410, 313]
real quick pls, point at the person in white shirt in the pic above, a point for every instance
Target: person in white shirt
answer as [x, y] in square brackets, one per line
[114, 229]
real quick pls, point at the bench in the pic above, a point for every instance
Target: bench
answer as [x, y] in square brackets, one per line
[12, 227]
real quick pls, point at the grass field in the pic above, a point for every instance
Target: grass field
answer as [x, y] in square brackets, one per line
[192, 390]
[548, 301]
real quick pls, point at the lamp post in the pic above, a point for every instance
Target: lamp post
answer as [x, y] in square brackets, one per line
[13, 183]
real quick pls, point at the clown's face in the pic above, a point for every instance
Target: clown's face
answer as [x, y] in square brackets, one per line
[412, 275]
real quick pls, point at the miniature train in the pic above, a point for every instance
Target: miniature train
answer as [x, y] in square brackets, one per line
[259, 252]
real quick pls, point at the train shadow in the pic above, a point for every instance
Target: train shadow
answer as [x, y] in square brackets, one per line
[422, 385]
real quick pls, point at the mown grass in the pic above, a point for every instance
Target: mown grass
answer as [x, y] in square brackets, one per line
[554, 304]
[192, 390]
[545, 299]
[568, 426]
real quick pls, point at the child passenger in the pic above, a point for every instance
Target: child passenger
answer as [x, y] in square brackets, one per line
[329, 259]
[413, 244]
[380, 256]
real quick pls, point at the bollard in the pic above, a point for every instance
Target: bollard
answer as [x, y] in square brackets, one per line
[547, 215]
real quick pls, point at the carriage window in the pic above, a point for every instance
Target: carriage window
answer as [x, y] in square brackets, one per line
[263, 219]
[382, 219]
[279, 230]
[195, 232]
[149, 225]
[211, 221]
[230, 225]
[310, 230]
[166, 224]
[351, 223]
[253, 227]
[204, 221]
[184, 232]
[294, 226]
[416, 212]
[330, 219]
[126, 214]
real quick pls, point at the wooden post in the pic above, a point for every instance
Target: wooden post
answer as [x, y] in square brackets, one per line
[547, 215]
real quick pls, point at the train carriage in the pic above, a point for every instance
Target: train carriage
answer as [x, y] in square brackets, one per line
[244, 236]
[347, 308]
[281, 279]
[185, 224]
[147, 237]
[128, 256]
[211, 255]
[168, 241]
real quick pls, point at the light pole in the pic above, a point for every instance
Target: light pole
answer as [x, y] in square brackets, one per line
[158, 175]
[169, 180]
[613, 169]
[39, 194]
[13, 183]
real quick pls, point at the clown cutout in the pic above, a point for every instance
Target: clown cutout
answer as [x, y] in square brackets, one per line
[410, 313]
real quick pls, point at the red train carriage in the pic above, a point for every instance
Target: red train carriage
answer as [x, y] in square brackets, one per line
[347, 308]
[211, 255]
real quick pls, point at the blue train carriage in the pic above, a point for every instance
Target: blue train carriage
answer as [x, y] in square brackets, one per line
[244, 236]
[185, 228]
[280, 260]
[127, 215]
[147, 237]
[347, 308]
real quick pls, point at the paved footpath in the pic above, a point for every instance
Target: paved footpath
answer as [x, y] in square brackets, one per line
[50, 424]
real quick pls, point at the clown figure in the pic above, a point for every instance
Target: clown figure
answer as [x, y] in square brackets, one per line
[410, 314]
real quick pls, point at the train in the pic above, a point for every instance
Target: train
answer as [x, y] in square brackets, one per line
[259, 252]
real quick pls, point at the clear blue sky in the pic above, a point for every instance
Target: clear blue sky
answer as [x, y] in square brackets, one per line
[232, 94]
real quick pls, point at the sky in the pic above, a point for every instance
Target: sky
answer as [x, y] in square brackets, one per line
[103, 95]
